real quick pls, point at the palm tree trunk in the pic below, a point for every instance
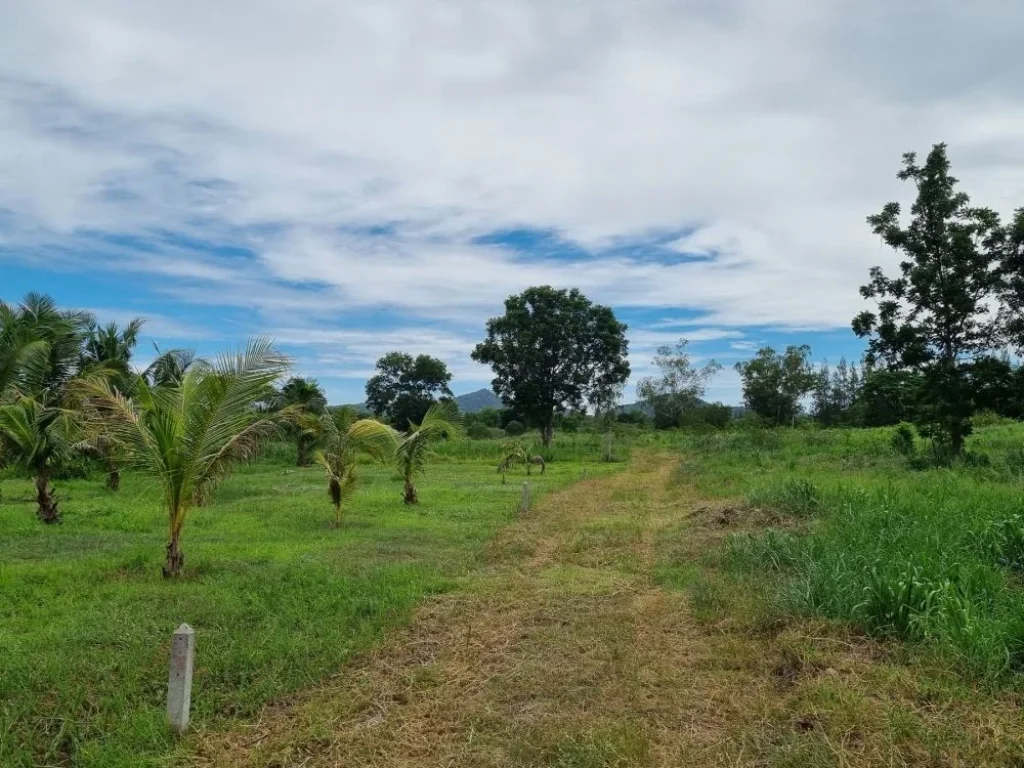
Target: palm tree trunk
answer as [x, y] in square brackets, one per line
[410, 492]
[175, 557]
[47, 505]
[113, 476]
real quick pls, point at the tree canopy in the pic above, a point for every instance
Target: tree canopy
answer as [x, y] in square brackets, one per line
[679, 386]
[404, 387]
[773, 384]
[554, 350]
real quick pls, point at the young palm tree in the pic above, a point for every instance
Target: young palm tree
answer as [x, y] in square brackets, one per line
[108, 350]
[512, 453]
[442, 420]
[343, 435]
[304, 395]
[36, 438]
[189, 434]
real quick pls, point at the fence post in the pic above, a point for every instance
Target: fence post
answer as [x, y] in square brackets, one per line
[179, 681]
[524, 504]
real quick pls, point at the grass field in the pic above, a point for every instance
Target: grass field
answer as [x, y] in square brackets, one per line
[278, 598]
[884, 541]
[763, 598]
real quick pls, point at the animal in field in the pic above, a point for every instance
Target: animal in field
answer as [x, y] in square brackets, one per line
[536, 461]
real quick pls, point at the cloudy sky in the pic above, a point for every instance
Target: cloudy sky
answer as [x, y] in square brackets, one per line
[356, 177]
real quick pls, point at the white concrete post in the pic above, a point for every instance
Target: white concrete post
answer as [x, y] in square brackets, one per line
[179, 682]
[524, 504]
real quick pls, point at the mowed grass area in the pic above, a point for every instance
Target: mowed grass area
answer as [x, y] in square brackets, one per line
[278, 598]
[851, 530]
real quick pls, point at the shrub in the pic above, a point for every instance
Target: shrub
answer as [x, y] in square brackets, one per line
[478, 431]
[515, 428]
[902, 440]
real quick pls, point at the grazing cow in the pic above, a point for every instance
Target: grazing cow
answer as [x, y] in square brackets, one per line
[539, 460]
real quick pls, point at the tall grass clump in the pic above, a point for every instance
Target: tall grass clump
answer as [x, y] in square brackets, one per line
[932, 557]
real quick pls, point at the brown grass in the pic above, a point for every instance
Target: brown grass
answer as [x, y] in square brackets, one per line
[565, 651]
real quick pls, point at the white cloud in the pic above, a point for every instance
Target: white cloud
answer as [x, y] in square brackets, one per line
[765, 129]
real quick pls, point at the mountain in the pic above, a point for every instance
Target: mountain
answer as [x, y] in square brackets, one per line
[477, 401]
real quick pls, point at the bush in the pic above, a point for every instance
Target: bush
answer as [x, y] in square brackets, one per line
[902, 440]
[478, 431]
[515, 428]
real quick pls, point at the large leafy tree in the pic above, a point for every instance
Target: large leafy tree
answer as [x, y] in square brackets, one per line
[774, 384]
[189, 434]
[404, 387]
[342, 435]
[552, 351]
[441, 422]
[938, 315]
[678, 387]
[307, 396]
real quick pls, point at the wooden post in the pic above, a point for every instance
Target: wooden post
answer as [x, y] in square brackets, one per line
[524, 504]
[179, 682]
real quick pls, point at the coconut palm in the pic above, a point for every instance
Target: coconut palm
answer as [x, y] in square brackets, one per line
[189, 434]
[111, 347]
[512, 453]
[442, 421]
[108, 350]
[171, 366]
[36, 438]
[39, 348]
[342, 436]
[307, 396]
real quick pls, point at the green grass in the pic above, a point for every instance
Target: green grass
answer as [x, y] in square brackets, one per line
[278, 598]
[893, 545]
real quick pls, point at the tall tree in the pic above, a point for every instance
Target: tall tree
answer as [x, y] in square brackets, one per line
[307, 396]
[552, 351]
[679, 386]
[404, 387]
[774, 384]
[190, 433]
[938, 315]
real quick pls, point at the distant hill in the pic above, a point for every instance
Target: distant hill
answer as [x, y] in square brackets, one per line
[477, 401]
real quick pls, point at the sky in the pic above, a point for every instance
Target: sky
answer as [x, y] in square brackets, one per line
[358, 177]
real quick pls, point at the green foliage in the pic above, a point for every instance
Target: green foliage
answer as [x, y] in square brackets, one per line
[478, 431]
[303, 396]
[552, 351]
[773, 384]
[903, 439]
[937, 317]
[404, 388]
[515, 428]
